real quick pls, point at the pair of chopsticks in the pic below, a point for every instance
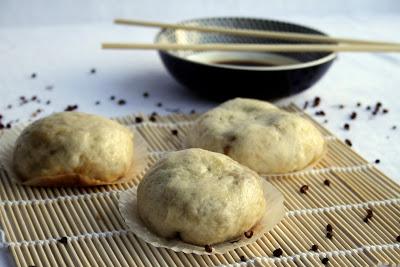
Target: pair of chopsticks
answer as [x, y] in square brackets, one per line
[322, 43]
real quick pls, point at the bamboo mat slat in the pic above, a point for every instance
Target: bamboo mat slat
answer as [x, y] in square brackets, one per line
[34, 219]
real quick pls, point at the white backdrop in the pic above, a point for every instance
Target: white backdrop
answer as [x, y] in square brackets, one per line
[50, 12]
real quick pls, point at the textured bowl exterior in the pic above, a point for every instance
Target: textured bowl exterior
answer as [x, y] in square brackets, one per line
[221, 82]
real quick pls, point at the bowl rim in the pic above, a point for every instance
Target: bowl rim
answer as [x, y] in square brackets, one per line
[302, 65]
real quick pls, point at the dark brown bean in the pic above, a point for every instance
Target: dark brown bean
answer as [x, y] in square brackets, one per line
[304, 189]
[346, 126]
[329, 228]
[277, 252]
[377, 161]
[248, 234]
[325, 261]
[329, 235]
[327, 182]
[314, 248]
[242, 258]
[377, 107]
[208, 248]
[353, 115]
[63, 240]
[138, 119]
[174, 132]
[71, 108]
[121, 102]
[370, 212]
[348, 142]
[317, 101]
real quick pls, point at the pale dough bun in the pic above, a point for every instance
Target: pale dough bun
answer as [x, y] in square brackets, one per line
[258, 135]
[200, 196]
[73, 148]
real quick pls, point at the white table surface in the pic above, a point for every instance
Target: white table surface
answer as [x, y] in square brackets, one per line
[63, 55]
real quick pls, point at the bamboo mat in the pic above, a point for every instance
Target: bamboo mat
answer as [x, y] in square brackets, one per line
[82, 226]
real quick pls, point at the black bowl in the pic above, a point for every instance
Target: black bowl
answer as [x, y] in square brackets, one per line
[212, 75]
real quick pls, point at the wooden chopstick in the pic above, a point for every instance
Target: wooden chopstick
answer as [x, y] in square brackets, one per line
[257, 47]
[252, 33]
